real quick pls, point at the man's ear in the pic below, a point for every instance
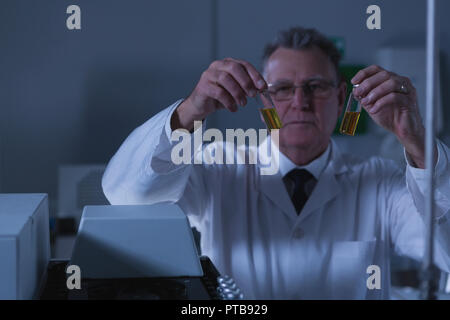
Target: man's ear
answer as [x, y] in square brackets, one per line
[341, 96]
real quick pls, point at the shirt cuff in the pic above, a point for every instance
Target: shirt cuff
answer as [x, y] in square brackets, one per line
[161, 160]
[167, 126]
[420, 174]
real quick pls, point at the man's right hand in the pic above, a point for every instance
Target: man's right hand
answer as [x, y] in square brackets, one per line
[224, 85]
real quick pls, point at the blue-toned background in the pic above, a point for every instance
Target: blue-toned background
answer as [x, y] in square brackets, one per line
[72, 97]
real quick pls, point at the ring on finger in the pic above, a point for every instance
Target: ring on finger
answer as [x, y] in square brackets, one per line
[403, 88]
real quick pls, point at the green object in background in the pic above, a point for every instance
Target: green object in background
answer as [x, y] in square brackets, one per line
[339, 42]
[348, 72]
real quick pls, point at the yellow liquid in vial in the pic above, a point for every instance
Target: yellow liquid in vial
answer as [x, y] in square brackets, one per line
[271, 118]
[348, 124]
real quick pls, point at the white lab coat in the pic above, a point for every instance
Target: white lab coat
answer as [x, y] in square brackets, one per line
[357, 212]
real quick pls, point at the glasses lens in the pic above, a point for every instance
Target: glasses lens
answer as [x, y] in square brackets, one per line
[284, 92]
[320, 89]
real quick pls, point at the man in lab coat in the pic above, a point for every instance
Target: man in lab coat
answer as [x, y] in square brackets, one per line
[317, 228]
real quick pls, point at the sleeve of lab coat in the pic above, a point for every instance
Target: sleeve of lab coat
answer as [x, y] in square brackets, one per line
[406, 207]
[142, 172]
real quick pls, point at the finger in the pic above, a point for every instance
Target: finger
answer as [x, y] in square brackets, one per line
[370, 83]
[381, 90]
[364, 73]
[228, 82]
[257, 79]
[391, 100]
[238, 72]
[222, 96]
[266, 103]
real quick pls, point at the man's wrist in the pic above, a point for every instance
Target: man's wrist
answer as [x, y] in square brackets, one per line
[184, 116]
[415, 161]
[416, 154]
[414, 144]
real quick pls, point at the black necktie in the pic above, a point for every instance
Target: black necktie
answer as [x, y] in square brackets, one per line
[304, 183]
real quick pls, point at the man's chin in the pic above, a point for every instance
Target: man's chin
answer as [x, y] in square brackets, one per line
[300, 142]
[299, 129]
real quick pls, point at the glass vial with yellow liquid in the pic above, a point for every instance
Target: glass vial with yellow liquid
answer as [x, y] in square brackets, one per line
[351, 115]
[269, 113]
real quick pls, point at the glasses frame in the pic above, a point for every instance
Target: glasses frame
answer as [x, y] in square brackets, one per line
[304, 86]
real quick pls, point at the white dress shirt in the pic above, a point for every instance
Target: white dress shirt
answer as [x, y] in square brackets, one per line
[315, 167]
[358, 211]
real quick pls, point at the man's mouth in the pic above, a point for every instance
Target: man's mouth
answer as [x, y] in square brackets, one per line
[303, 122]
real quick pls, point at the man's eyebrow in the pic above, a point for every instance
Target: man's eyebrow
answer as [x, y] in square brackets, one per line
[280, 81]
[286, 81]
[316, 78]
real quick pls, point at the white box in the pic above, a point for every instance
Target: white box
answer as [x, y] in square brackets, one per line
[24, 244]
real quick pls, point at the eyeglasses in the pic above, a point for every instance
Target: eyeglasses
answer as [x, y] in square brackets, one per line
[318, 89]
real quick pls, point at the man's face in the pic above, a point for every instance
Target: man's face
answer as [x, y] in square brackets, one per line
[308, 121]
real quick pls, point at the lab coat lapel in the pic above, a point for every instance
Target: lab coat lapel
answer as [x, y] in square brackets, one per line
[273, 186]
[327, 187]
[325, 190]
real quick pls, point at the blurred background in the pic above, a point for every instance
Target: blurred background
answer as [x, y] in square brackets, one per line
[68, 98]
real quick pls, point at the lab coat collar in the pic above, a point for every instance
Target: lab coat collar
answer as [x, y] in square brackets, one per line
[315, 167]
[327, 187]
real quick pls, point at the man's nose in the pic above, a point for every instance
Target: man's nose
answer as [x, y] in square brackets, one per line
[300, 99]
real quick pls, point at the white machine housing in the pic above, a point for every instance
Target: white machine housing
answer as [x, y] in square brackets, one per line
[24, 244]
[135, 241]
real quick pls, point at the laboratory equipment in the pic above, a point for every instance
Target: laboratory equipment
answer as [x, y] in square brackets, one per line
[24, 244]
[133, 241]
[172, 288]
[140, 252]
[429, 275]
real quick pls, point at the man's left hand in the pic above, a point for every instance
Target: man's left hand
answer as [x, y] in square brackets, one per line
[391, 101]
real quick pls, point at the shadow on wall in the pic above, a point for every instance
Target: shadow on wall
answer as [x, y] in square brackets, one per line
[418, 39]
[118, 99]
[445, 79]
[116, 102]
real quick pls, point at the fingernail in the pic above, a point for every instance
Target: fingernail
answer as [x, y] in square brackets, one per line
[252, 93]
[261, 83]
[364, 101]
[243, 102]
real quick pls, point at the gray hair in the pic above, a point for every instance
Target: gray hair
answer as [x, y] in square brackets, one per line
[299, 38]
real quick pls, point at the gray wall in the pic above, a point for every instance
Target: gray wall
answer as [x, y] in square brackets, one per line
[73, 96]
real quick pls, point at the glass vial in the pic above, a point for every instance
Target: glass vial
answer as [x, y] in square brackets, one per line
[351, 115]
[271, 118]
[268, 112]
